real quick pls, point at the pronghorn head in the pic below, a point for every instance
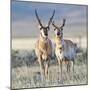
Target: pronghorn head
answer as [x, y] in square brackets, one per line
[59, 30]
[44, 29]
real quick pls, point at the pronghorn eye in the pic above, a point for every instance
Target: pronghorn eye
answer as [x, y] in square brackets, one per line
[61, 28]
[54, 29]
[48, 28]
[40, 28]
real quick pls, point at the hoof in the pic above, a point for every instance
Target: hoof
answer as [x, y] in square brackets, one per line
[60, 81]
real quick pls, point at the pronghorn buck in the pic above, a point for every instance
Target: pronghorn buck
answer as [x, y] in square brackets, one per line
[65, 50]
[43, 47]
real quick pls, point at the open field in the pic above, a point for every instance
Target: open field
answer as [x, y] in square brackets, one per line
[26, 72]
[29, 77]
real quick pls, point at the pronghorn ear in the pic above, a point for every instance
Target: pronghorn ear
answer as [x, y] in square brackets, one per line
[53, 24]
[63, 24]
[48, 27]
[40, 27]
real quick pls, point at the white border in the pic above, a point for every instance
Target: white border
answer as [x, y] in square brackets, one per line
[62, 1]
[5, 43]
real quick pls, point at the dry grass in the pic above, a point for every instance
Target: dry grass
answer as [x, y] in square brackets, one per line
[29, 77]
[26, 73]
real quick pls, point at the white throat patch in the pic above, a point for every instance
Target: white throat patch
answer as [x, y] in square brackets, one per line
[42, 33]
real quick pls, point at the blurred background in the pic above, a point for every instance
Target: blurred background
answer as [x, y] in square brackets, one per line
[25, 29]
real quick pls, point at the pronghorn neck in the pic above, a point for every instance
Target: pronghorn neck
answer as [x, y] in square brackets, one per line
[43, 38]
[58, 39]
[59, 42]
[44, 45]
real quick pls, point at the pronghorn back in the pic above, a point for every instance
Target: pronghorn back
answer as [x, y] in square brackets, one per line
[69, 49]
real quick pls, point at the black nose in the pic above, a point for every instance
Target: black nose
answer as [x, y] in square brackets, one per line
[60, 48]
[58, 33]
[46, 34]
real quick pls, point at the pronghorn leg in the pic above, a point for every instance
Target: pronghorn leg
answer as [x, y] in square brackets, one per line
[68, 66]
[47, 63]
[41, 68]
[60, 69]
[72, 68]
[42, 72]
[46, 71]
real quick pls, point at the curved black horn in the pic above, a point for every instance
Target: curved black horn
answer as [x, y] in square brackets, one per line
[64, 20]
[51, 18]
[54, 25]
[38, 18]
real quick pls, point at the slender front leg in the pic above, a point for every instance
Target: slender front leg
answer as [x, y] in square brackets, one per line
[47, 64]
[60, 69]
[46, 71]
[41, 68]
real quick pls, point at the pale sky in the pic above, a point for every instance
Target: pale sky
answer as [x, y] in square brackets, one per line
[24, 23]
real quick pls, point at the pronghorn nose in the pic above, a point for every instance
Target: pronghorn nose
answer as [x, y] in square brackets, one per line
[46, 34]
[58, 33]
[60, 48]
